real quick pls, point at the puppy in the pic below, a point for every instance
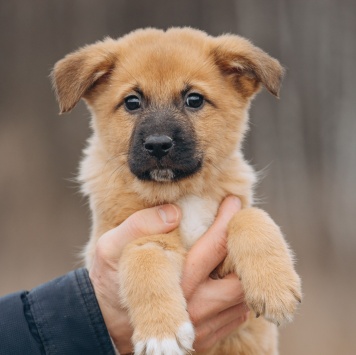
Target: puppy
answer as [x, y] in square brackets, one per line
[169, 113]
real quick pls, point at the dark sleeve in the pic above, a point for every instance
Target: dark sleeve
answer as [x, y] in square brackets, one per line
[61, 317]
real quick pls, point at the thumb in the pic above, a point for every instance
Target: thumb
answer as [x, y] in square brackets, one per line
[150, 221]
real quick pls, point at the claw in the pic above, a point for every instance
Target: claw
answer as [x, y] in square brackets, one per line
[297, 297]
[264, 308]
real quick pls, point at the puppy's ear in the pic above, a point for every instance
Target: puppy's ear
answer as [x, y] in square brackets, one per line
[248, 65]
[76, 73]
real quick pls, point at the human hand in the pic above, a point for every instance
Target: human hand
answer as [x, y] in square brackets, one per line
[103, 272]
[215, 306]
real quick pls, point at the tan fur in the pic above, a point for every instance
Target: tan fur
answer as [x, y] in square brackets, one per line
[229, 71]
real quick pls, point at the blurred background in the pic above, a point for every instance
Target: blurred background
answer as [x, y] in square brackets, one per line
[305, 143]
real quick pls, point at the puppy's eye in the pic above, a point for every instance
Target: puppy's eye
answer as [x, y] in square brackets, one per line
[194, 100]
[132, 103]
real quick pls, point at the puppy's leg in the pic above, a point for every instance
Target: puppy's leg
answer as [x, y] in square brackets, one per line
[259, 255]
[149, 277]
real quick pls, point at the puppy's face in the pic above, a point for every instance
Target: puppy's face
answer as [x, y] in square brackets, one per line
[170, 105]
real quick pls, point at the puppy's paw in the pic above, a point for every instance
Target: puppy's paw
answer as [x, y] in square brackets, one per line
[178, 343]
[275, 296]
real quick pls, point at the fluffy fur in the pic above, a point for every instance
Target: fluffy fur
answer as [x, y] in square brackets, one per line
[161, 68]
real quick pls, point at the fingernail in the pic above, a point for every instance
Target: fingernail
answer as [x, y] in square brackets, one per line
[168, 213]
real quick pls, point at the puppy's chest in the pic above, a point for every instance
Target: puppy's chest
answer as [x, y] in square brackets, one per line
[198, 215]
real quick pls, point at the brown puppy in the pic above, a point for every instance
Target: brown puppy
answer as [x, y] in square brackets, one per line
[170, 110]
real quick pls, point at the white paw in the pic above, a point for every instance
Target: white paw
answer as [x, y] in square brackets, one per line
[185, 336]
[180, 345]
[155, 346]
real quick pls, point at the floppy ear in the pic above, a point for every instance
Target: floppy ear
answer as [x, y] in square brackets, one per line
[76, 73]
[248, 65]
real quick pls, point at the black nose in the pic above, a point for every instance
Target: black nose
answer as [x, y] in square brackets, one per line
[158, 146]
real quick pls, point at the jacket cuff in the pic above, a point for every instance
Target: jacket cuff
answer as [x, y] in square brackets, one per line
[15, 335]
[65, 316]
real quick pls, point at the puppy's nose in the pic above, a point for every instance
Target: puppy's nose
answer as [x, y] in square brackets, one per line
[158, 146]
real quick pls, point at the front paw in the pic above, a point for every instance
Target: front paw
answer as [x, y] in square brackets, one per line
[178, 342]
[259, 254]
[274, 295]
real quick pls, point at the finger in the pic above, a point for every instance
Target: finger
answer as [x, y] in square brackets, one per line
[151, 221]
[208, 252]
[215, 296]
[220, 334]
[208, 328]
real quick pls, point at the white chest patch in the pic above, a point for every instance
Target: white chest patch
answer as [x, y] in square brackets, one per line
[198, 215]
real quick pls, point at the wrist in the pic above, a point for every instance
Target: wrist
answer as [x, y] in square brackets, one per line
[118, 325]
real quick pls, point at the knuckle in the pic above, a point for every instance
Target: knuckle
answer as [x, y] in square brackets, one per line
[235, 297]
[220, 246]
[101, 249]
[208, 330]
[200, 335]
[206, 343]
[234, 291]
[104, 249]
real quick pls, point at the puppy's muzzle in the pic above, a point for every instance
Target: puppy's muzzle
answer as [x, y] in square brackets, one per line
[158, 145]
[164, 146]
